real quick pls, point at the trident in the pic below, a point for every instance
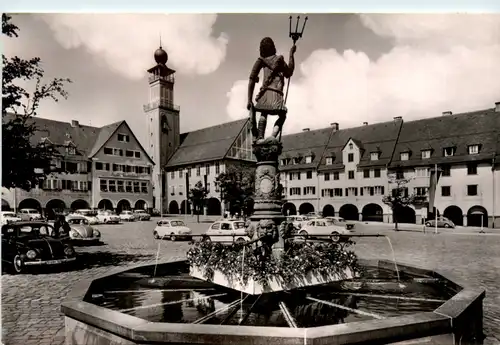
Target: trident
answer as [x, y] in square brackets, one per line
[294, 35]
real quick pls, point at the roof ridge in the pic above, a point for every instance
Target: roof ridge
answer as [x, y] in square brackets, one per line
[218, 125]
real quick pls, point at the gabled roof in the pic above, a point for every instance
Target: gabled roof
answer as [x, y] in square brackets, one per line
[303, 144]
[207, 144]
[460, 131]
[105, 134]
[370, 138]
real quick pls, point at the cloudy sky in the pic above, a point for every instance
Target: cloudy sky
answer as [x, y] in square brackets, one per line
[350, 68]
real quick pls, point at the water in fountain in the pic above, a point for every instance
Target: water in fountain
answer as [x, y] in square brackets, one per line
[395, 263]
[152, 280]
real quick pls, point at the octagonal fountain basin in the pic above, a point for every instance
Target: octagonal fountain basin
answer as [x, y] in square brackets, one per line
[130, 306]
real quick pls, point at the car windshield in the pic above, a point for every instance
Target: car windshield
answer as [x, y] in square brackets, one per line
[32, 211]
[126, 212]
[35, 230]
[329, 223]
[81, 221]
[177, 223]
[239, 225]
[9, 214]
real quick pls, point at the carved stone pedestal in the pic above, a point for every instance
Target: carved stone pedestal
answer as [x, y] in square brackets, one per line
[267, 199]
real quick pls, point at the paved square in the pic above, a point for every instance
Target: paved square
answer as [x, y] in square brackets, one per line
[31, 302]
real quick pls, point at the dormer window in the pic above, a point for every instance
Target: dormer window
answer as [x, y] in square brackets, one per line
[308, 159]
[283, 162]
[70, 150]
[405, 156]
[329, 160]
[449, 151]
[473, 149]
[426, 154]
[374, 156]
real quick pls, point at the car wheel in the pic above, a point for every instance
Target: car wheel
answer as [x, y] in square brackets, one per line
[207, 239]
[172, 237]
[335, 237]
[240, 240]
[17, 264]
[156, 236]
[304, 234]
[31, 219]
[446, 225]
[427, 224]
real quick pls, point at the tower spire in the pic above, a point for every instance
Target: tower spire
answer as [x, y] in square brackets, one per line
[160, 40]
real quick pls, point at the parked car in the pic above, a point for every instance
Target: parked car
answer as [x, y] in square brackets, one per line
[29, 214]
[127, 216]
[172, 229]
[81, 231]
[227, 232]
[324, 227]
[90, 215]
[29, 244]
[297, 221]
[442, 222]
[108, 217]
[9, 217]
[341, 222]
[155, 213]
[142, 215]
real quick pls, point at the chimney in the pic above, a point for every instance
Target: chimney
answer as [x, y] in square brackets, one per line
[305, 130]
[447, 113]
[335, 126]
[396, 118]
[365, 123]
[75, 123]
[497, 107]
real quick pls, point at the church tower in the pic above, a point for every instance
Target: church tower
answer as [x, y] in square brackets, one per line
[163, 125]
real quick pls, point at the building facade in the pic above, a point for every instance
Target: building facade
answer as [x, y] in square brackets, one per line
[105, 168]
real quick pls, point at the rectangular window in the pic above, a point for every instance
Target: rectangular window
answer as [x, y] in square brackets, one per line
[172, 174]
[295, 191]
[128, 187]
[445, 170]
[308, 159]
[327, 176]
[473, 149]
[338, 191]
[350, 157]
[120, 186]
[336, 175]
[180, 173]
[207, 169]
[189, 172]
[351, 174]
[445, 191]
[137, 154]
[309, 190]
[366, 173]
[420, 191]
[376, 172]
[112, 185]
[329, 160]
[124, 138]
[108, 151]
[104, 185]
[98, 166]
[129, 153]
[472, 169]
[137, 188]
[309, 175]
[426, 154]
[198, 170]
[405, 156]
[374, 156]
[217, 168]
[472, 190]
[449, 151]
[144, 187]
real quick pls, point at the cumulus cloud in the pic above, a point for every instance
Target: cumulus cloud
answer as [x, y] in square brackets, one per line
[123, 40]
[437, 63]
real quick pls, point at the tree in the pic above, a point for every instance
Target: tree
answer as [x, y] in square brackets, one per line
[24, 161]
[237, 188]
[399, 197]
[197, 196]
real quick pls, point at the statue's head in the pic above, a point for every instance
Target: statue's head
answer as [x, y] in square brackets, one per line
[267, 47]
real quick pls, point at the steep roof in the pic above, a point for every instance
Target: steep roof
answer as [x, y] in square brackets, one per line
[458, 131]
[302, 144]
[206, 144]
[380, 137]
[104, 134]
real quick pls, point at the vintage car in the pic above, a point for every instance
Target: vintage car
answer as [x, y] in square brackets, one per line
[9, 217]
[227, 231]
[90, 215]
[442, 222]
[141, 215]
[297, 221]
[322, 227]
[127, 216]
[341, 222]
[108, 217]
[29, 244]
[29, 214]
[81, 231]
[172, 229]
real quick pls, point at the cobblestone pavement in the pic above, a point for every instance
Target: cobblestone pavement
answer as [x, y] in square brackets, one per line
[31, 302]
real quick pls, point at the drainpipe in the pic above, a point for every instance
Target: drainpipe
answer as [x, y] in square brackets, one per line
[494, 191]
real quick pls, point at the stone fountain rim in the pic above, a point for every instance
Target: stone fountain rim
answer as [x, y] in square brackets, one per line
[139, 330]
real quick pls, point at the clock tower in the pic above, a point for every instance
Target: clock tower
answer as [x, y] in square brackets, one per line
[162, 124]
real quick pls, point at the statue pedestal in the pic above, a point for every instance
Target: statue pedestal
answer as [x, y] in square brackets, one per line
[273, 285]
[267, 198]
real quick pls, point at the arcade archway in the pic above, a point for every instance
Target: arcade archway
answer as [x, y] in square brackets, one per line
[328, 211]
[477, 216]
[373, 213]
[349, 212]
[30, 203]
[183, 209]
[213, 207]
[289, 209]
[123, 205]
[140, 205]
[105, 204]
[54, 207]
[79, 205]
[306, 208]
[173, 207]
[5, 205]
[405, 215]
[455, 214]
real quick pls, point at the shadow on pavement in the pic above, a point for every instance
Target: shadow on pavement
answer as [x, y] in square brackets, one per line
[101, 259]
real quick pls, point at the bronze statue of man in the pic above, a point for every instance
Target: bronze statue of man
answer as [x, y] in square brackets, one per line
[269, 100]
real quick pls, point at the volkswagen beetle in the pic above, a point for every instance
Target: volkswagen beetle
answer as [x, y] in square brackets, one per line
[30, 244]
[81, 231]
